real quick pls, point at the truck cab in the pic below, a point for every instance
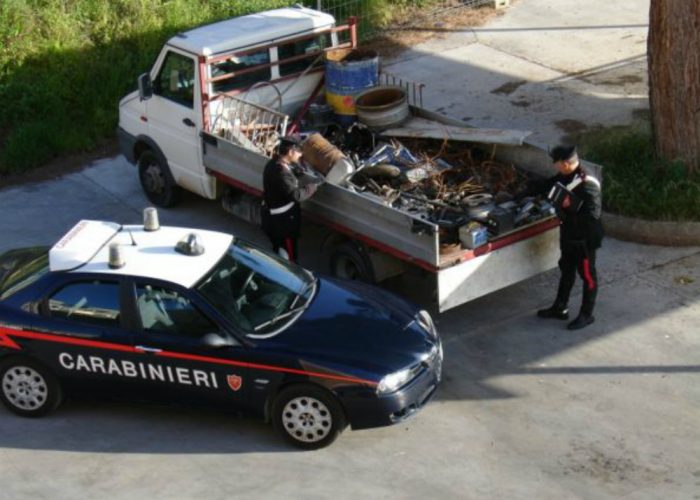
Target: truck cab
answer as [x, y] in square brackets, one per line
[272, 58]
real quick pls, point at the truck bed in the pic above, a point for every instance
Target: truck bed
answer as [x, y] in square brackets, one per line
[460, 275]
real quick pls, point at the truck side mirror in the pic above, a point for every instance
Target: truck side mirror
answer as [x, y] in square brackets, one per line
[145, 86]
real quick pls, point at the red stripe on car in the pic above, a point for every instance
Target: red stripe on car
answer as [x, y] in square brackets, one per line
[7, 333]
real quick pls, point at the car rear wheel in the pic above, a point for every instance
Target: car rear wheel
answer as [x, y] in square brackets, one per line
[156, 181]
[307, 416]
[28, 389]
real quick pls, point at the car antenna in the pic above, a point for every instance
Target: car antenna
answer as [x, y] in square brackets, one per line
[133, 241]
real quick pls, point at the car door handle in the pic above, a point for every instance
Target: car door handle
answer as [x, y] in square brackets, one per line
[188, 122]
[152, 350]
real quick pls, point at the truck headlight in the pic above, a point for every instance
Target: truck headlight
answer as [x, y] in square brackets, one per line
[393, 381]
[426, 322]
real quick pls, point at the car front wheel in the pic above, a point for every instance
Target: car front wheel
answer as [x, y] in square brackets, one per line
[307, 416]
[28, 389]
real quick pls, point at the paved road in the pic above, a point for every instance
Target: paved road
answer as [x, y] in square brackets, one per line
[527, 409]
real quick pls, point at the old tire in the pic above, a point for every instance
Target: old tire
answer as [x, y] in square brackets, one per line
[156, 181]
[307, 416]
[28, 389]
[350, 262]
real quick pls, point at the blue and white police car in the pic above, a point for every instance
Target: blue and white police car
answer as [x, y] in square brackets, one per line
[186, 314]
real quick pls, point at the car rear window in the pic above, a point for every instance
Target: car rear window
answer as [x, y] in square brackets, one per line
[21, 268]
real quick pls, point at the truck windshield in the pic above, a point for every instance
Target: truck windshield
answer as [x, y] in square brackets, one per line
[257, 291]
[20, 268]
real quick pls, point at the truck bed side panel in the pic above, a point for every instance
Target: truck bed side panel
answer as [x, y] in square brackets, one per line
[247, 168]
[372, 220]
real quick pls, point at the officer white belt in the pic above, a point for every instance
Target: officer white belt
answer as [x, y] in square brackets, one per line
[282, 209]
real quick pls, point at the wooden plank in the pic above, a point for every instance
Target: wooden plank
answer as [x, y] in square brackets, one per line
[420, 128]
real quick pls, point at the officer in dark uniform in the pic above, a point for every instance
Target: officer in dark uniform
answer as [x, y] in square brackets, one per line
[285, 185]
[576, 195]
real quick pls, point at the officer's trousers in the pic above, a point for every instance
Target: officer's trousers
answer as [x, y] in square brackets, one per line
[576, 257]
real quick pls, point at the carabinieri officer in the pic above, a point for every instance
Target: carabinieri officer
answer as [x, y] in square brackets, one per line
[577, 197]
[285, 187]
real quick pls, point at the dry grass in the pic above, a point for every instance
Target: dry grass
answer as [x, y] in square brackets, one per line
[401, 35]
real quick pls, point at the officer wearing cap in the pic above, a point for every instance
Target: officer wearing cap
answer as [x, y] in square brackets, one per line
[284, 187]
[576, 194]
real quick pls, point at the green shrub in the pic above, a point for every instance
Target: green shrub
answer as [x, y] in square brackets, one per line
[64, 64]
[638, 184]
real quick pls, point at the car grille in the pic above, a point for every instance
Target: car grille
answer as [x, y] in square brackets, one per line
[432, 362]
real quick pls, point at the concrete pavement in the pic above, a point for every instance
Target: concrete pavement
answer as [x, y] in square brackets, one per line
[551, 67]
[527, 409]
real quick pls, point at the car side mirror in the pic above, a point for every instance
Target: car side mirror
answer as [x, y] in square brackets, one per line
[217, 341]
[145, 86]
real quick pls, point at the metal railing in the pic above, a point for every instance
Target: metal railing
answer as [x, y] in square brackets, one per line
[414, 90]
[247, 124]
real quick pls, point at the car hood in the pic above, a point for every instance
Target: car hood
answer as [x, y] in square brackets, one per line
[358, 323]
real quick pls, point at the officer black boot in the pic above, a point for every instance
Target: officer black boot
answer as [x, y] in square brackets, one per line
[557, 311]
[581, 321]
[585, 316]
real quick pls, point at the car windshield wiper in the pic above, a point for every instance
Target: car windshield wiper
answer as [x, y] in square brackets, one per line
[279, 317]
[303, 292]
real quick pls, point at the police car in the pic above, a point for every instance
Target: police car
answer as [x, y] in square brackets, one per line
[183, 314]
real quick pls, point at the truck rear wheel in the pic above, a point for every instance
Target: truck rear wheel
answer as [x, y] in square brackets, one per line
[156, 181]
[350, 262]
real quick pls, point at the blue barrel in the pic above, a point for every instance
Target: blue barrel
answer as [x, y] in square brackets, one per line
[348, 73]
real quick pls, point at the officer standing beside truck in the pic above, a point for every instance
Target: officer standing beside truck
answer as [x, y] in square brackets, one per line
[284, 187]
[577, 196]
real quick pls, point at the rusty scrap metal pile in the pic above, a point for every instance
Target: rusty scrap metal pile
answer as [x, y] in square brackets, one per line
[448, 184]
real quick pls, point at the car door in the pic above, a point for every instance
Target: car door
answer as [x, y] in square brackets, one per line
[174, 116]
[85, 337]
[189, 355]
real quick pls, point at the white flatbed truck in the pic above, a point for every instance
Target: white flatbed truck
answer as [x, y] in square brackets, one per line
[205, 119]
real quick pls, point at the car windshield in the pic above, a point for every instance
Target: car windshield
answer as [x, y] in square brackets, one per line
[20, 268]
[257, 291]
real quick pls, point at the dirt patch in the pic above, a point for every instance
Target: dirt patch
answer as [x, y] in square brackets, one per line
[62, 165]
[570, 126]
[613, 463]
[400, 36]
[623, 80]
[521, 103]
[574, 130]
[509, 87]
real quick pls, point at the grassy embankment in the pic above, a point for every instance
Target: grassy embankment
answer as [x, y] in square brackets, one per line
[636, 183]
[64, 64]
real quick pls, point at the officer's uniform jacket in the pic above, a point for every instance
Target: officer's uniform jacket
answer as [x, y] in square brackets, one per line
[282, 193]
[582, 225]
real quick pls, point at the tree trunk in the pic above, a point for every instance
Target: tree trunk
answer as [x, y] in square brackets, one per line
[674, 79]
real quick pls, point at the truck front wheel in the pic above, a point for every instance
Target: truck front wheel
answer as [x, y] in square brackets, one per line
[156, 181]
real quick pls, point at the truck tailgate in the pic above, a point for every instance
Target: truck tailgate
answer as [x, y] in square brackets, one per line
[497, 269]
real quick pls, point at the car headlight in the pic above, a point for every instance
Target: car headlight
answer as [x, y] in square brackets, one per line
[394, 380]
[426, 322]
